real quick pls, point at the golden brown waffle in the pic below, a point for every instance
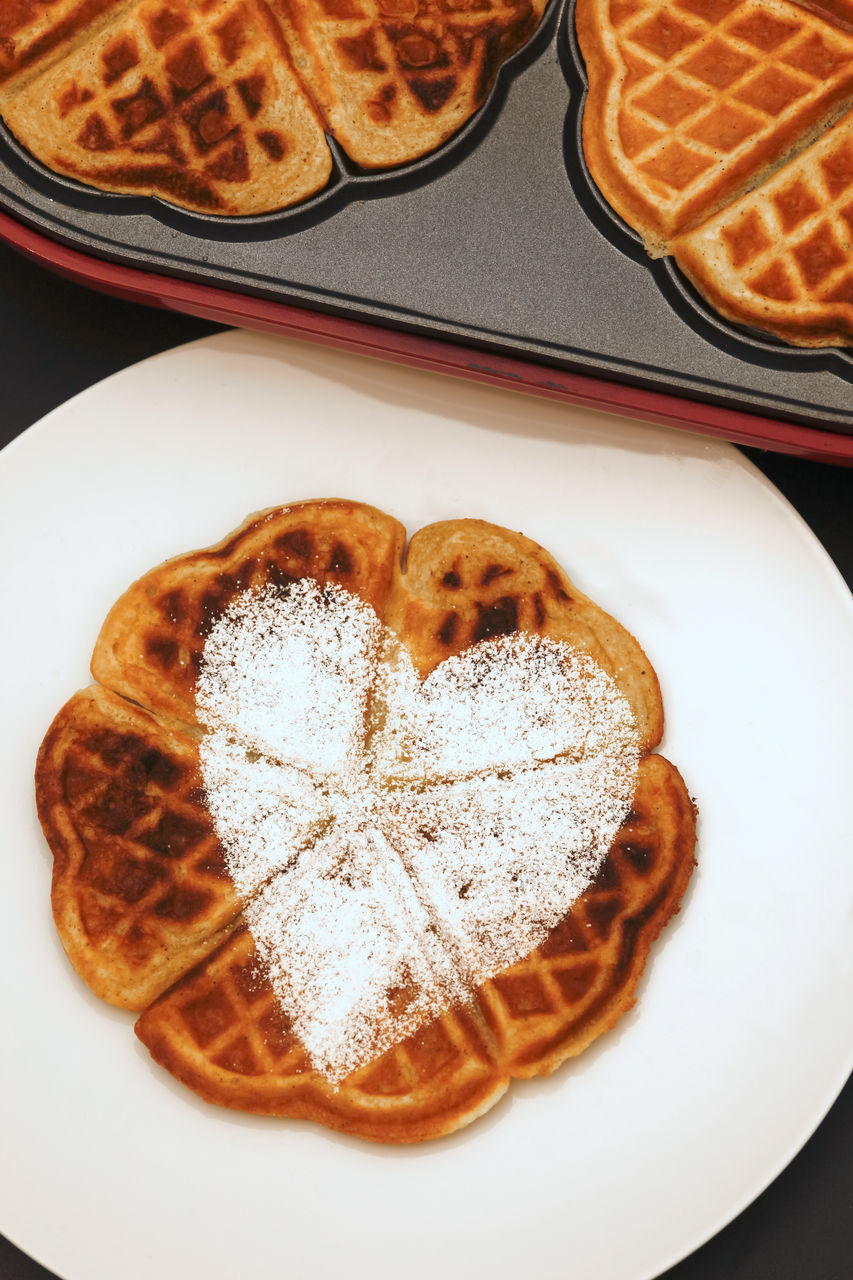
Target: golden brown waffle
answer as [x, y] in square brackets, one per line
[220, 106]
[395, 78]
[150, 645]
[692, 102]
[193, 102]
[122, 806]
[579, 982]
[30, 31]
[140, 889]
[466, 580]
[780, 257]
[689, 100]
[221, 1031]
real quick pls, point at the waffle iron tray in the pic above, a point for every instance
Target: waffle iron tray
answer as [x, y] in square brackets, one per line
[494, 258]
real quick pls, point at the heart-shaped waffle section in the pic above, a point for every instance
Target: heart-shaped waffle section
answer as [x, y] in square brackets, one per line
[692, 103]
[223, 106]
[399, 841]
[122, 799]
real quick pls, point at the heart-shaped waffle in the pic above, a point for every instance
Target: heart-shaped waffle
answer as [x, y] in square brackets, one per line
[363, 916]
[707, 128]
[223, 107]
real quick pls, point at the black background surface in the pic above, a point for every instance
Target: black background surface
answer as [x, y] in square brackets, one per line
[56, 339]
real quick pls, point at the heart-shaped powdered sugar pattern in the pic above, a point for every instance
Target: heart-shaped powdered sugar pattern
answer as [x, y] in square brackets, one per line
[395, 840]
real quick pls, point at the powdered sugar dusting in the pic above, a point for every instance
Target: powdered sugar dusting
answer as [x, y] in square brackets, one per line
[287, 672]
[349, 950]
[398, 840]
[507, 703]
[502, 859]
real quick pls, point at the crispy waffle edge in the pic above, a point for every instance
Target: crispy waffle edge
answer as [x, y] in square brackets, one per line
[473, 1097]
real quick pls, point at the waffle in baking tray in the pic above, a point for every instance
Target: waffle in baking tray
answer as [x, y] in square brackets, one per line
[499, 238]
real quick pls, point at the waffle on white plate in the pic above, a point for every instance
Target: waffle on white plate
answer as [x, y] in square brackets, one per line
[158, 913]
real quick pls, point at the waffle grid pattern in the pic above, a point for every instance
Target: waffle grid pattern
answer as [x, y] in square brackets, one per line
[222, 1028]
[705, 77]
[789, 246]
[397, 60]
[230, 1014]
[138, 807]
[188, 98]
[565, 988]
[164, 865]
[139, 884]
[222, 105]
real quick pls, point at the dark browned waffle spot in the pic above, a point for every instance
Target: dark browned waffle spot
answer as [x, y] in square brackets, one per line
[232, 164]
[71, 97]
[231, 35]
[212, 863]
[118, 58]
[175, 835]
[447, 630]
[277, 1031]
[126, 878]
[523, 994]
[182, 904]
[208, 1016]
[117, 808]
[493, 571]
[187, 70]
[208, 120]
[568, 936]
[174, 606]
[431, 1051]
[360, 53]
[249, 984]
[576, 982]
[499, 618]
[296, 542]
[162, 650]
[273, 144]
[432, 94]
[340, 561]
[164, 25]
[136, 110]
[251, 91]
[239, 1057]
[601, 913]
[640, 856]
[95, 136]
[379, 107]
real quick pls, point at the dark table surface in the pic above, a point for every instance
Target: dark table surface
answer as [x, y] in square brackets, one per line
[56, 339]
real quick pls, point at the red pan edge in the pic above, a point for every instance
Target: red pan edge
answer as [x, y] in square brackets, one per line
[242, 311]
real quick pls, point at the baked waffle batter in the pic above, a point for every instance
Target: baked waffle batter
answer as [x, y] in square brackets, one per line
[706, 130]
[222, 106]
[150, 863]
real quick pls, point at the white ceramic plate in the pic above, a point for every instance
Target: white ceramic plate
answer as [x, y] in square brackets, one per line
[619, 1164]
